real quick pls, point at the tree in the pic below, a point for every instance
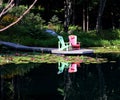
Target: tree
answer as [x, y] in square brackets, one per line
[9, 6]
[100, 13]
[68, 12]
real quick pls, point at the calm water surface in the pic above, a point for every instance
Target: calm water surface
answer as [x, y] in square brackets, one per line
[60, 81]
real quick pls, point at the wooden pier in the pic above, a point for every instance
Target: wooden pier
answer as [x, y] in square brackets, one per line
[15, 46]
[73, 52]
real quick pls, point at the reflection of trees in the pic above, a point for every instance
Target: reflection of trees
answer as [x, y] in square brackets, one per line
[112, 77]
[68, 86]
[10, 70]
[28, 81]
[87, 84]
[7, 89]
[9, 79]
[102, 93]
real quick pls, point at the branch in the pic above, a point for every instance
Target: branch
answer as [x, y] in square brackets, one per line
[19, 17]
[7, 8]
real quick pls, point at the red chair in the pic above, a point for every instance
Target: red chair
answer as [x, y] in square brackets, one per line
[73, 42]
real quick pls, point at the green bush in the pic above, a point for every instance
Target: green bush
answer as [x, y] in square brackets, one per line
[110, 34]
[31, 31]
[105, 43]
[54, 24]
[31, 24]
[115, 42]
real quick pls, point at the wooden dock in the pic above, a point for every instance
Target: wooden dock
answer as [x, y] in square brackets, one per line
[15, 46]
[81, 51]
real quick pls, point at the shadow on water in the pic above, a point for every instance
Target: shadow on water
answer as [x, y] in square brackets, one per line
[60, 81]
[91, 82]
[31, 81]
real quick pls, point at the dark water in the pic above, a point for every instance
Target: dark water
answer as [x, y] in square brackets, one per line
[35, 81]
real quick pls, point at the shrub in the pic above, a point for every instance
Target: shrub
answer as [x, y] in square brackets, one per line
[7, 19]
[105, 43]
[115, 42]
[110, 34]
[31, 24]
[55, 24]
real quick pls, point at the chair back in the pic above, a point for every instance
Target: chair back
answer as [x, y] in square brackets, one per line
[61, 40]
[72, 39]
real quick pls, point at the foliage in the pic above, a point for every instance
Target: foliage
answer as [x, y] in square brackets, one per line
[105, 43]
[74, 28]
[55, 20]
[7, 19]
[110, 34]
[31, 31]
[107, 49]
[55, 24]
[18, 10]
[31, 24]
[90, 39]
[19, 57]
[115, 42]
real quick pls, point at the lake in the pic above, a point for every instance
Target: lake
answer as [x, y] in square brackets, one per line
[60, 81]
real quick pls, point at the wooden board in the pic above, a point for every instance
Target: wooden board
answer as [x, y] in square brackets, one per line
[80, 51]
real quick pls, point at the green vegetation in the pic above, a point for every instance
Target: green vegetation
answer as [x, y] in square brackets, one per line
[20, 58]
[109, 49]
[41, 39]
[31, 31]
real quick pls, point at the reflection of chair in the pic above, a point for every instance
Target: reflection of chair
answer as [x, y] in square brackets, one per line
[73, 42]
[72, 68]
[62, 66]
[63, 45]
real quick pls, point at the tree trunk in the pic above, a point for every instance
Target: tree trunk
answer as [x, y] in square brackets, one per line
[100, 13]
[67, 9]
[87, 18]
[73, 12]
[83, 18]
[113, 24]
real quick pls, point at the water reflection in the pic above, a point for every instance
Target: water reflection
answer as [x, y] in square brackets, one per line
[29, 81]
[62, 81]
[72, 67]
[10, 78]
[91, 82]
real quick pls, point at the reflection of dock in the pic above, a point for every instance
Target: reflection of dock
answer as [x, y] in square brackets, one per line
[70, 52]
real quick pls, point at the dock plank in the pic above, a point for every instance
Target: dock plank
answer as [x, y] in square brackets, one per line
[80, 51]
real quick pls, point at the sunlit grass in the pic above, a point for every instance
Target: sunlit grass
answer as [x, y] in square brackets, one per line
[110, 49]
